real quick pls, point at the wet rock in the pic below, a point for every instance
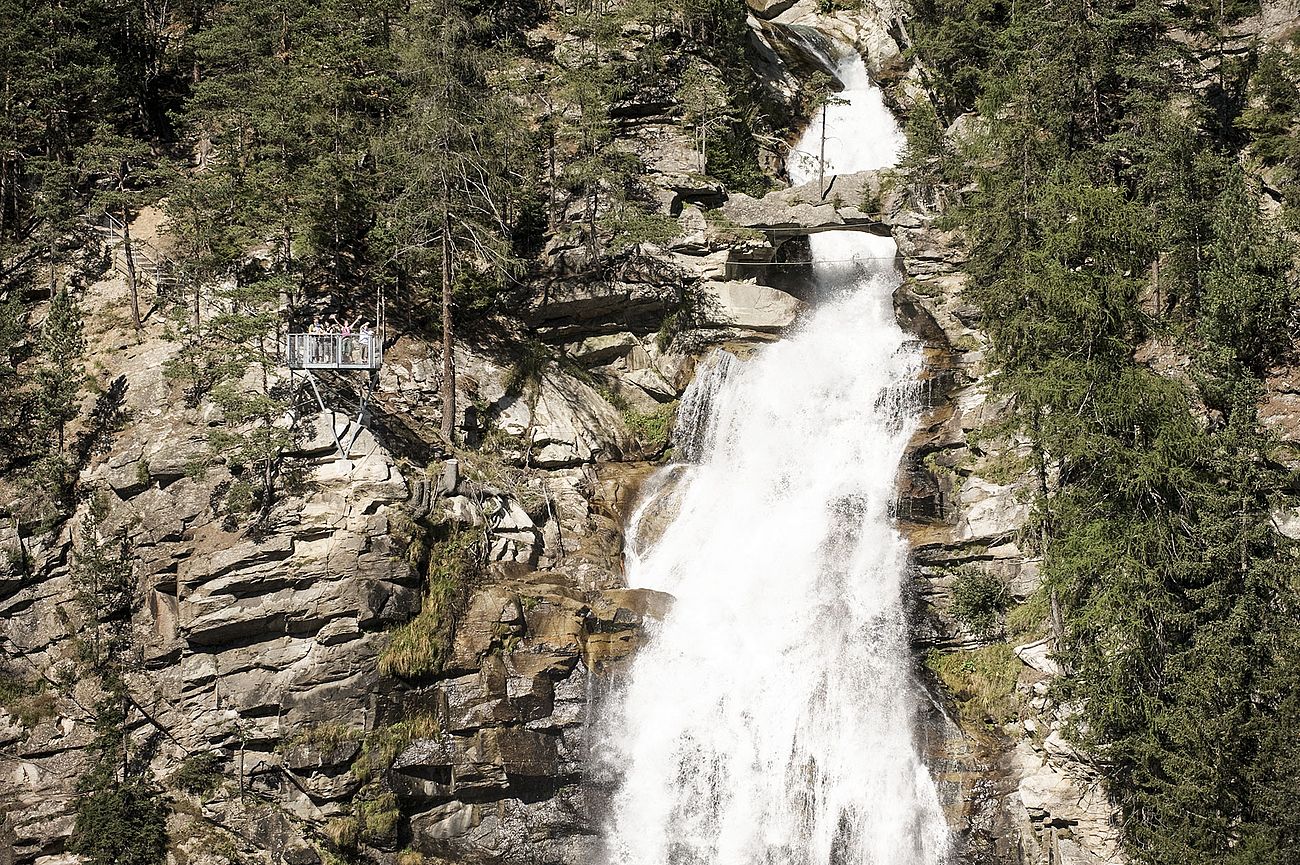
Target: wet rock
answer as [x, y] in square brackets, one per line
[869, 27]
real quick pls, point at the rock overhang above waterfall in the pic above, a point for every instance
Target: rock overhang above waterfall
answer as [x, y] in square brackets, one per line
[853, 202]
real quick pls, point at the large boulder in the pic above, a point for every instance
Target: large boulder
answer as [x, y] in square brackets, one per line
[748, 305]
[566, 421]
[839, 202]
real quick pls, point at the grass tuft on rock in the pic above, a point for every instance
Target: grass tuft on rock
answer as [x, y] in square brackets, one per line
[379, 818]
[410, 857]
[422, 645]
[652, 428]
[381, 747]
[344, 832]
[982, 681]
[1029, 621]
[30, 704]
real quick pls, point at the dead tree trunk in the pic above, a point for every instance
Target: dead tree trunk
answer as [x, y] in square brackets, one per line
[131, 281]
[448, 361]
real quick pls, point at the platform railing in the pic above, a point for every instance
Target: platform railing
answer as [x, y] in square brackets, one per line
[333, 351]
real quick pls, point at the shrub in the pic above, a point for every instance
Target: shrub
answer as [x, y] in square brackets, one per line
[199, 773]
[633, 225]
[125, 824]
[17, 560]
[652, 428]
[978, 600]
[533, 357]
[240, 498]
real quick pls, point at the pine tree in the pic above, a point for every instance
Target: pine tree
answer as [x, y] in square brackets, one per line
[454, 164]
[60, 376]
[121, 814]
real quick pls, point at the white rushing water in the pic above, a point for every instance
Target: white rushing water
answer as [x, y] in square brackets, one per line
[769, 720]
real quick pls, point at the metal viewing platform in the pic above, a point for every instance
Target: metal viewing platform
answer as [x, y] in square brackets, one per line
[311, 353]
[334, 351]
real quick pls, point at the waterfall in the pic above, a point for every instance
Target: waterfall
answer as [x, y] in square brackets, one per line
[769, 718]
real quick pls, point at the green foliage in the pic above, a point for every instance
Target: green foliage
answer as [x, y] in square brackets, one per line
[422, 645]
[216, 363]
[1028, 621]
[79, 74]
[1100, 215]
[323, 736]
[454, 166]
[982, 682]
[732, 156]
[1273, 107]
[1246, 306]
[632, 226]
[929, 157]
[379, 818]
[958, 39]
[199, 774]
[532, 358]
[60, 377]
[703, 97]
[380, 747]
[121, 812]
[240, 498]
[830, 7]
[103, 576]
[729, 231]
[344, 832]
[122, 825]
[670, 328]
[978, 600]
[652, 429]
[410, 857]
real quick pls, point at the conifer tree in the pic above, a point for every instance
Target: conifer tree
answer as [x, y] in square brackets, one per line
[59, 381]
[454, 163]
[121, 814]
[1155, 526]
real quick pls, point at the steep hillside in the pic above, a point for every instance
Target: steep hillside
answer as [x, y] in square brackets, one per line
[238, 628]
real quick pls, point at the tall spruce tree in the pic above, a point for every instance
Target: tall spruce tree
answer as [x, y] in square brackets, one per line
[454, 164]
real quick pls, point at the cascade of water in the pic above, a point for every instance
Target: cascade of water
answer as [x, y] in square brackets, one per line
[769, 719]
[695, 409]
